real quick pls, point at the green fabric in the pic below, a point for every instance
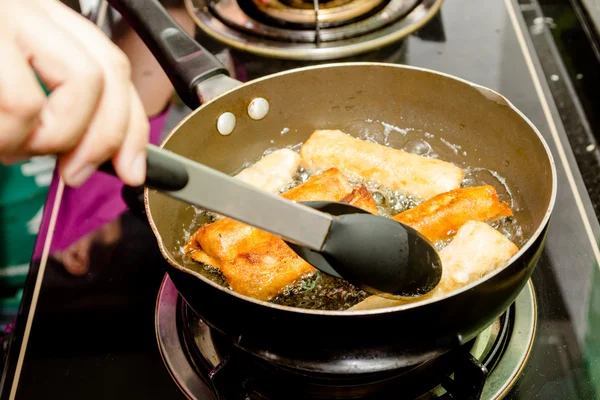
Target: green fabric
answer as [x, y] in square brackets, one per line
[10, 305]
[23, 191]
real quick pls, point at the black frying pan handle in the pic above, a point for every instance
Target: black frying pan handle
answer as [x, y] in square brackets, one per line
[185, 62]
[162, 172]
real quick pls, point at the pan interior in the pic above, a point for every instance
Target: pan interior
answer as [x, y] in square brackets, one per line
[467, 125]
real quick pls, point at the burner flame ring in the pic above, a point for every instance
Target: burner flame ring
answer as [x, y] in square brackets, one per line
[331, 13]
[250, 36]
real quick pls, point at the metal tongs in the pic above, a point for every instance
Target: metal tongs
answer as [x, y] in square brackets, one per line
[375, 253]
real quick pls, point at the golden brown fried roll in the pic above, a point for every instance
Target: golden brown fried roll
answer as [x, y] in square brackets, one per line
[362, 198]
[273, 171]
[476, 250]
[329, 185]
[396, 169]
[441, 216]
[256, 263]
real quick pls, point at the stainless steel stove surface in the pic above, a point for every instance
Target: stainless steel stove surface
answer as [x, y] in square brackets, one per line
[120, 331]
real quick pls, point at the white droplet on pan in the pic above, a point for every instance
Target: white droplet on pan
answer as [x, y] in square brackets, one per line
[258, 108]
[226, 123]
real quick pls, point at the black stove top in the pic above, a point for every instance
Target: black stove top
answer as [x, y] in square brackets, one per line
[93, 336]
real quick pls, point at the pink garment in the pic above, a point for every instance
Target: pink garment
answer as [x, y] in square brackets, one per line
[87, 208]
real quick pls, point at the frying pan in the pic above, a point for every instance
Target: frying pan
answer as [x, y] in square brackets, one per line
[490, 130]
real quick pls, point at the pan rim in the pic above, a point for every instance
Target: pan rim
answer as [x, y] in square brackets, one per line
[491, 95]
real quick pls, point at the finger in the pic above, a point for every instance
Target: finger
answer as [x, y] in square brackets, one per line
[109, 126]
[69, 70]
[102, 140]
[104, 136]
[21, 98]
[130, 161]
[14, 158]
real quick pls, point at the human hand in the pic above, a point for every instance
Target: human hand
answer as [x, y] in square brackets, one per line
[93, 113]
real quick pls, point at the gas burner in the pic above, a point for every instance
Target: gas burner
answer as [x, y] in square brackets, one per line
[310, 30]
[302, 13]
[205, 365]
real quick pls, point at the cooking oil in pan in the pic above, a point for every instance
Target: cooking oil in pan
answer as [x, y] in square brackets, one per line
[324, 292]
[319, 291]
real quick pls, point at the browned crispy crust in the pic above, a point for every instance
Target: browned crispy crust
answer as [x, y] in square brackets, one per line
[362, 198]
[329, 185]
[441, 216]
[256, 263]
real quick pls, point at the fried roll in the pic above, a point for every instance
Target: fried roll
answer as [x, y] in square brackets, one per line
[476, 250]
[441, 216]
[360, 160]
[256, 263]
